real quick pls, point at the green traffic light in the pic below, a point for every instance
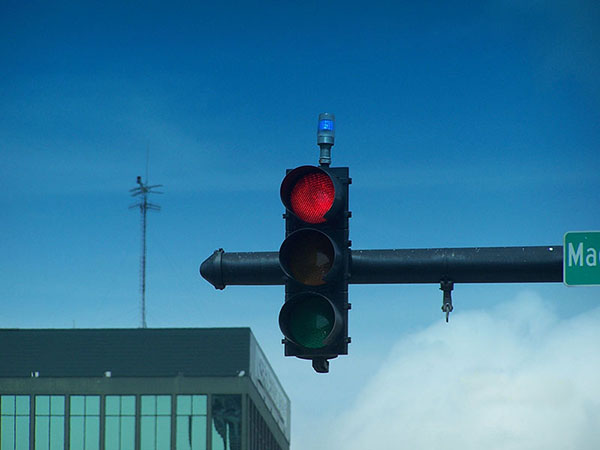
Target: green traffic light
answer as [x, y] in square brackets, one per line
[311, 322]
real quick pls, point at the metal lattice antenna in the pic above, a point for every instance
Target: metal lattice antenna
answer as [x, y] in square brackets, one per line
[143, 190]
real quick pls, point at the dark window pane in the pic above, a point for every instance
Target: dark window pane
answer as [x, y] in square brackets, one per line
[226, 422]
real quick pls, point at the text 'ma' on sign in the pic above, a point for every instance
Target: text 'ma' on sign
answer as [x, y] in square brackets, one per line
[580, 261]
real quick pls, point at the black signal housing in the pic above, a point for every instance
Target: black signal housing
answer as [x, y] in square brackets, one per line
[315, 257]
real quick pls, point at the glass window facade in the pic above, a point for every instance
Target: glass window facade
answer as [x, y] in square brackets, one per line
[14, 422]
[155, 432]
[226, 422]
[49, 422]
[119, 422]
[260, 437]
[84, 422]
[191, 422]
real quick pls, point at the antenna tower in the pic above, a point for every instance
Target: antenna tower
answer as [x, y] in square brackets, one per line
[143, 190]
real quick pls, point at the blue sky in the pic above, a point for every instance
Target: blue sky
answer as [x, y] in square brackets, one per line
[463, 125]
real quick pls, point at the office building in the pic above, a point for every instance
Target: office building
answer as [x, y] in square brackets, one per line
[139, 389]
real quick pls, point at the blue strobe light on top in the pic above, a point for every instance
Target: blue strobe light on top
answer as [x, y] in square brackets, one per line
[326, 129]
[325, 124]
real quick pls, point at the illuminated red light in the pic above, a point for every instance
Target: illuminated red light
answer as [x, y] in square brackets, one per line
[312, 197]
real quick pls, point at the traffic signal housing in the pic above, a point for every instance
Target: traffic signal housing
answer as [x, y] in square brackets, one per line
[315, 258]
[315, 262]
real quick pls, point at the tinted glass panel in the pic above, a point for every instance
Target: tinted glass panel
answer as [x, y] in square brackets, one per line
[57, 432]
[92, 405]
[22, 433]
[8, 405]
[163, 433]
[22, 404]
[156, 422]
[57, 405]
[199, 404]
[184, 404]
[128, 405]
[85, 422]
[148, 405]
[148, 432]
[14, 422]
[42, 405]
[191, 433]
[92, 433]
[128, 433]
[112, 432]
[163, 405]
[49, 422]
[42, 432]
[77, 433]
[7, 434]
[226, 422]
[191, 422]
[120, 422]
[113, 405]
[77, 405]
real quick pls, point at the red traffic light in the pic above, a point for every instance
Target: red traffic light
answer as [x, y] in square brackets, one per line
[310, 194]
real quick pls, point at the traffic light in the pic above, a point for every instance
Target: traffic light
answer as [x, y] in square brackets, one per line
[316, 264]
[315, 258]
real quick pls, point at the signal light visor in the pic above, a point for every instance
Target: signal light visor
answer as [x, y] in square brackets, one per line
[310, 320]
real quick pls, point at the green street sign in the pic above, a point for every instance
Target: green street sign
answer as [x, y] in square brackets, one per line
[580, 260]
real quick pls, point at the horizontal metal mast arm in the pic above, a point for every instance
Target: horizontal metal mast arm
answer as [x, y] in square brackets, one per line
[460, 265]
[430, 265]
[242, 268]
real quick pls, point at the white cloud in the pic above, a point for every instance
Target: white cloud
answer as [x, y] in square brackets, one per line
[516, 377]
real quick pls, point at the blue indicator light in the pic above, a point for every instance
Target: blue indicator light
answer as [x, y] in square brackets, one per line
[325, 125]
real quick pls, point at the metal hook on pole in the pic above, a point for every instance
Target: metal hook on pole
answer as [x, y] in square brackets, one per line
[446, 287]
